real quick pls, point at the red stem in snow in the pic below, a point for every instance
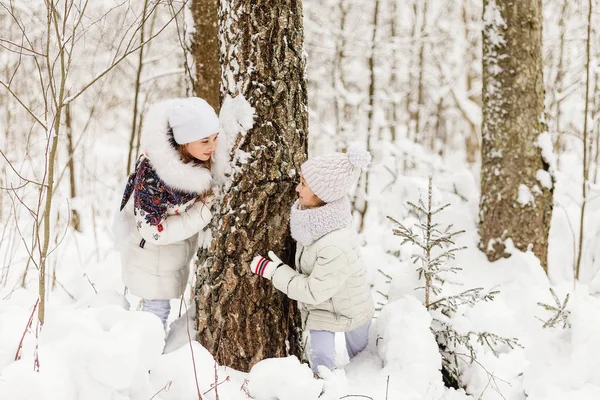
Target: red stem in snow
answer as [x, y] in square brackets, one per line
[187, 328]
[165, 389]
[244, 388]
[18, 355]
[36, 360]
[214, 386]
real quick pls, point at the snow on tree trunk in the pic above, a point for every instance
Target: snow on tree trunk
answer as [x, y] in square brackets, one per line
[205, 48]
[516, 175]
[241, 318]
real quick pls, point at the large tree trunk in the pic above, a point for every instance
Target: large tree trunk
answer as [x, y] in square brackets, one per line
[241, 318]
[513, 168]
[205, 49]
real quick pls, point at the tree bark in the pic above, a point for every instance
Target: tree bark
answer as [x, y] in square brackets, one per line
[75, 220]
[205, 48]
[241, 318]
[58, 96]
[513, 120]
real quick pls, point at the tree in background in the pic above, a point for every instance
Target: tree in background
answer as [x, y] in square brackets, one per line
[516, 175]
[239, 318]
[205, 50]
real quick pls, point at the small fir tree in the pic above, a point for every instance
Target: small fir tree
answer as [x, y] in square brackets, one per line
[560, 313]
[437, 249]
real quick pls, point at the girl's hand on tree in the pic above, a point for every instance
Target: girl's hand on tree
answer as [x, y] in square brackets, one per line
[265, 267]
[205, 214]
[209, 199]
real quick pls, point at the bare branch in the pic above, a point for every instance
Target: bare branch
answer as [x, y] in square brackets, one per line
[124, 56]
[23, 104]
[29, 252]
[16, 172]
[20, 48]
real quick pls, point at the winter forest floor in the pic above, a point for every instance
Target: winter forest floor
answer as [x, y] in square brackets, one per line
[95, 345]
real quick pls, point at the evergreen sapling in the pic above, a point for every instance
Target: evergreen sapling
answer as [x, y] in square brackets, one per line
[561, 314]
[437, 249]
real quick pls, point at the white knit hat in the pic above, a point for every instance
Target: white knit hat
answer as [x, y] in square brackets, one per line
[192, 119]
[331, 176]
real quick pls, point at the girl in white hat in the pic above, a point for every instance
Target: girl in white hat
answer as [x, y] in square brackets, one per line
[170, 185]
[329, 278]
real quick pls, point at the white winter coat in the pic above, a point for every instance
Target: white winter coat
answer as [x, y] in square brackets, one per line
[330, 282]
[156, 257]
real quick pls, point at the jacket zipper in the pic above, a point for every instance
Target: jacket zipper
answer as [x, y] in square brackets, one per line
[335, 314]
[299, 266]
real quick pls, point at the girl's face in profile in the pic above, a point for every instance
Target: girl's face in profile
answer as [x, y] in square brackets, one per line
[203, 149]
[306, 195]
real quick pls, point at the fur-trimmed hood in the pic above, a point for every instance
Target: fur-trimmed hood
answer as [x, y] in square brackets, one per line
[159, 146]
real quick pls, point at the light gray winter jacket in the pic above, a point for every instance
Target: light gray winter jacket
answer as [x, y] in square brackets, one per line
[156, 256]
[330, 282]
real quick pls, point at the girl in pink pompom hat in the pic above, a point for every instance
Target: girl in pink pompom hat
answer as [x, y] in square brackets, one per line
[329, 280]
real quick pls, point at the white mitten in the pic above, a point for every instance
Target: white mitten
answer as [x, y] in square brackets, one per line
[265, 267]
[205, 214]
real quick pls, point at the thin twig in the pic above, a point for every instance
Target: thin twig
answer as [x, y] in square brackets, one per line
[213, 386]
[216, 384]
[17, 172]
[585, 145]
[118, 61]
[384, 274]
[27, 327]
[187, 328]
[164, 389]
[36, 356]
[182, 43]
[244, 388]
[29, 251]
[22, 104]
[387, 387]
[493, 377]
[20, 47]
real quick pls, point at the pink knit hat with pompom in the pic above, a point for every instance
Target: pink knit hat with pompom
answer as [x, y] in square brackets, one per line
[331, 176]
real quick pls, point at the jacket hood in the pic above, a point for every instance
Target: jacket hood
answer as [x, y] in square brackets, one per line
[160, 147]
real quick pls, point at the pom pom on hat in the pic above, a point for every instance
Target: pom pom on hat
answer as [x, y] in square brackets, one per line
[358, 157]
[192, 119]
[331, 176]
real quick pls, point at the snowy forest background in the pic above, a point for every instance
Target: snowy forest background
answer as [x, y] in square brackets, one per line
[403, 78]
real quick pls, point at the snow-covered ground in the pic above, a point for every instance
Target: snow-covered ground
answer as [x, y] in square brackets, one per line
[95, 345]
